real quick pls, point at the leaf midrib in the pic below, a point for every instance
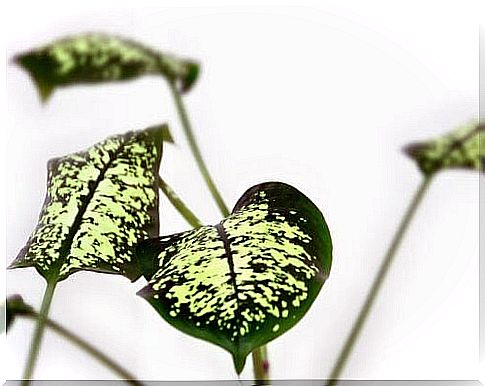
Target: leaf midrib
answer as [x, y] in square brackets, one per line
[228, 253]
[67, 243]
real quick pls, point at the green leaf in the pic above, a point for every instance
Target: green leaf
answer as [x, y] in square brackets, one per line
[248, 279]
[100, 203]
[15, 306]
[96, 58]
[460, 149]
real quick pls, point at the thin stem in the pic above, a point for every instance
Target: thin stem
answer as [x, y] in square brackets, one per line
[39, 332]
[378, 281]
[93, 351]
[260, 365]
[179, 204]
[259, 355]
[195, 149]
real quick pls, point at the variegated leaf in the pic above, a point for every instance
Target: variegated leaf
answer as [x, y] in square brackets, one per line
[461, 149]
[100, 203]
[248, 279]
[95, 58]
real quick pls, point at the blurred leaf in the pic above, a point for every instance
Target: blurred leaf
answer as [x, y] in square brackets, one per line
[461, 149]
[247, 280]
[100, 203]
[4, 318]
[15, 306]
[97, 58]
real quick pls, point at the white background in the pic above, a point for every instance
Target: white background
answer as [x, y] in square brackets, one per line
[323, 96]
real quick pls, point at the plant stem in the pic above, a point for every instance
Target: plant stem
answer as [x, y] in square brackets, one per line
[93, 351]
[195, 149]
[260, 365]
[39, 332]
[260, 357]
[178, 204]
[378, 281]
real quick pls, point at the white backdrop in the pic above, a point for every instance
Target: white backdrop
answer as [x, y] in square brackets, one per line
[322, 96]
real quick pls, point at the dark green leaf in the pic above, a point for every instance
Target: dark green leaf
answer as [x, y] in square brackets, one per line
[247, 280]
[100, 203]
[15, 306]
[96, 58]
[461, 149]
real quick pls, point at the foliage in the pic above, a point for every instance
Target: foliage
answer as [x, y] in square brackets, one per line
[96, 58]
[248, 279]
[15, 306]
[100, 203]
[238, 284]
[460, 149]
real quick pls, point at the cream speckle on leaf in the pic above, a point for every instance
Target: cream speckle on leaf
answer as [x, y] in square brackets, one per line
[248, 279]
[100, 203]
[462, 148]
[97, 58]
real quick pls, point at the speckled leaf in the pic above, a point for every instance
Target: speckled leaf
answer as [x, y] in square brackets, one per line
[96, 58]
[99, 204]
[461, 149]
[248, 279]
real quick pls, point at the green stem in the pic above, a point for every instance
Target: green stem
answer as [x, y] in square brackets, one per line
[261, 365]
[195, 149]
[93, 351]
[260, 358]
[179, 204]
[378, 281]
[39, 332]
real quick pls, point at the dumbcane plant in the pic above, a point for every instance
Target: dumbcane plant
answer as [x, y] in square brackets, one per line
[238, 284]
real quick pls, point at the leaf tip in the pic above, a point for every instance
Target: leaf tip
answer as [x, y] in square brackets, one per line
[146, 292]
[17, 263]
[413, 149]
[15, 305]
[162, 131]
[239, 362]
[166, 134]
[193, 70]
[44, 90]
[130, 271]
[29, 62]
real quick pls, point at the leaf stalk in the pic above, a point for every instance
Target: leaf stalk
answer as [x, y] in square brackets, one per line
[39, 332]
[175, 200]
[91, 350]
[378, 281]
[260, 357]
[194, 147]
[261, 365]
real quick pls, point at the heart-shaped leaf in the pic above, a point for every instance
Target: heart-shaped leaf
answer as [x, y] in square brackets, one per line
[248, 279]
[100, 203]
[461, 149]
[96, 58]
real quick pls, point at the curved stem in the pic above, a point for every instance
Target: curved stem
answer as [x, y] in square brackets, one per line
[195, 149]
[378, 281]
[260, 358]
[93, 351]
[39, 332]
[178, 204]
